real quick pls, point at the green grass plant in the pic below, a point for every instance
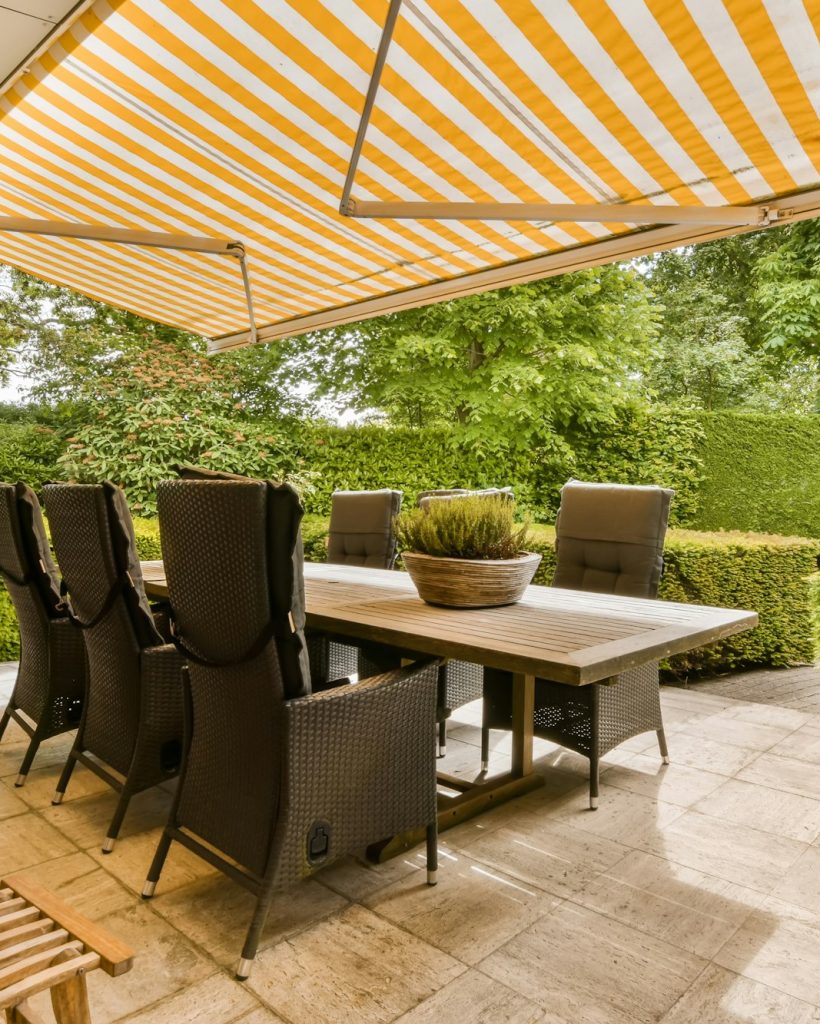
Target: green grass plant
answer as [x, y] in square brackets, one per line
[469, 527]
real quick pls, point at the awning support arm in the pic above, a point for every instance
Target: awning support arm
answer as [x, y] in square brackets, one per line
[601, 213]
[369, 100]
[145, 239]
[615, 213]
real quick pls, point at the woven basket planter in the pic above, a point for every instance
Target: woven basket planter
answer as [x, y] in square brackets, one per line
[470, 583]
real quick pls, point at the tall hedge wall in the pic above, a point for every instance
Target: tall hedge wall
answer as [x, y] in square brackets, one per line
[760, 472]
[658, 447]
[774, 576]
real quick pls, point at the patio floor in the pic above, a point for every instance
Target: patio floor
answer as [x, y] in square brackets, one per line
[692, 896]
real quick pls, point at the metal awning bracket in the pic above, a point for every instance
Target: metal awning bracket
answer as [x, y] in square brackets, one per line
[144, 239]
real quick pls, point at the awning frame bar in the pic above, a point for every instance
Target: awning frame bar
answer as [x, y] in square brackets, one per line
[369, 101]
[630, 244]
[143, 239]
[615, 213]
[600, 213]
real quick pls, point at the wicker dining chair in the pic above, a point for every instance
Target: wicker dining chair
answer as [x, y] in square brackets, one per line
[131, 730]
[48, 693]
[609, 540]
[360, 533]
[276, 785]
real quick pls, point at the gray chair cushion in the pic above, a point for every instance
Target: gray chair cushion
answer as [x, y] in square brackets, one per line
[609, 538]
[361, 528]
[44, 572]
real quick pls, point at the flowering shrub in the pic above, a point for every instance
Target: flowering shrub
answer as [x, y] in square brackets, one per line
[172, 406]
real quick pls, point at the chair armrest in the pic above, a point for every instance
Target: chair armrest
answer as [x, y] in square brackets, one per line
[361, 761]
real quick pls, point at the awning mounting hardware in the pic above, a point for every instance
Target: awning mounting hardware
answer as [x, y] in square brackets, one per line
[145, 239]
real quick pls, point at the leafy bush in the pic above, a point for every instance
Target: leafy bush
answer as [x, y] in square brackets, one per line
[468, 527]
[29, 452]
[172, 408]
[761, 472]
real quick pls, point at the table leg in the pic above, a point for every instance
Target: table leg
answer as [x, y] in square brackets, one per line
[473, 798]
[523, 711]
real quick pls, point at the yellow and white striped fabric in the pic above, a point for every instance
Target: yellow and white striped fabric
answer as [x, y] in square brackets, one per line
[236, 119]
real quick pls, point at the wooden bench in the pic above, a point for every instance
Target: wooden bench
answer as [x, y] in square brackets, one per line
[46, 944]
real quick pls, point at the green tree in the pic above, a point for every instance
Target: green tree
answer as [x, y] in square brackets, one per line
[787, 283]
[70, 347]
[510, 368]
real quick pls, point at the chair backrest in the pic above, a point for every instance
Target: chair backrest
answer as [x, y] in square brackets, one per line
[609, 538]
[33, 584]
[94, 541]
[285, 514]
[222, 564]
[361, 528]
[426, 497]
[25, 555]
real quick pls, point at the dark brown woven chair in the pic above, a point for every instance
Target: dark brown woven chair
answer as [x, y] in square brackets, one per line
[131, 730]
[609, 540]
[276, 785]
[48, 693]
[361, 533]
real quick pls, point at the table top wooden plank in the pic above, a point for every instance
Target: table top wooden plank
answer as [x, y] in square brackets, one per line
[567, 635]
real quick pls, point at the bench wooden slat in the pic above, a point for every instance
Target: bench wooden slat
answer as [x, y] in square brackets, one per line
[35, 963]
[28, 946]
[115, 957]
[48, 978]
[25, 931]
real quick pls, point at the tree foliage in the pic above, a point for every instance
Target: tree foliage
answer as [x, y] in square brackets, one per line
[509, 367]
[733, 332]
[173, 407]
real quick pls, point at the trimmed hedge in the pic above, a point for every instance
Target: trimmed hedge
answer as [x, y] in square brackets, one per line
[640, 447]
[775, 576]
[761, 472]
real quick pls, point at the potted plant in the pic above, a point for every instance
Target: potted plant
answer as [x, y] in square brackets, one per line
[466, 551]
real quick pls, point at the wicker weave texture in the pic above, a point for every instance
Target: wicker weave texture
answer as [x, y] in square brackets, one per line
[361, 760]
[50, 682]
[568, 714]
[133, 716]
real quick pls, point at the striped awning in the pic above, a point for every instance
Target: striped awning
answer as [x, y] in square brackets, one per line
[500, 142]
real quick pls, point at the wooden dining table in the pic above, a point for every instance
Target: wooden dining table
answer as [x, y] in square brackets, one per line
[570, 636]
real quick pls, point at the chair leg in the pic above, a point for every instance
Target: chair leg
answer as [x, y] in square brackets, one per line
[157, 865]
[65, 776]
[485, 747]
[33, 747]
[442, 738]
[662, 745]
[594, 773]
[116, 821]
[432, 853]
[260, 916]
[4, 721]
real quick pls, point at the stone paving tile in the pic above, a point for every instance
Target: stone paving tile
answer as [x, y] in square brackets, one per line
[216, 913]
[545, 912]
[354, 968]
[478, 910]
[473, 998]
[585, 968]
